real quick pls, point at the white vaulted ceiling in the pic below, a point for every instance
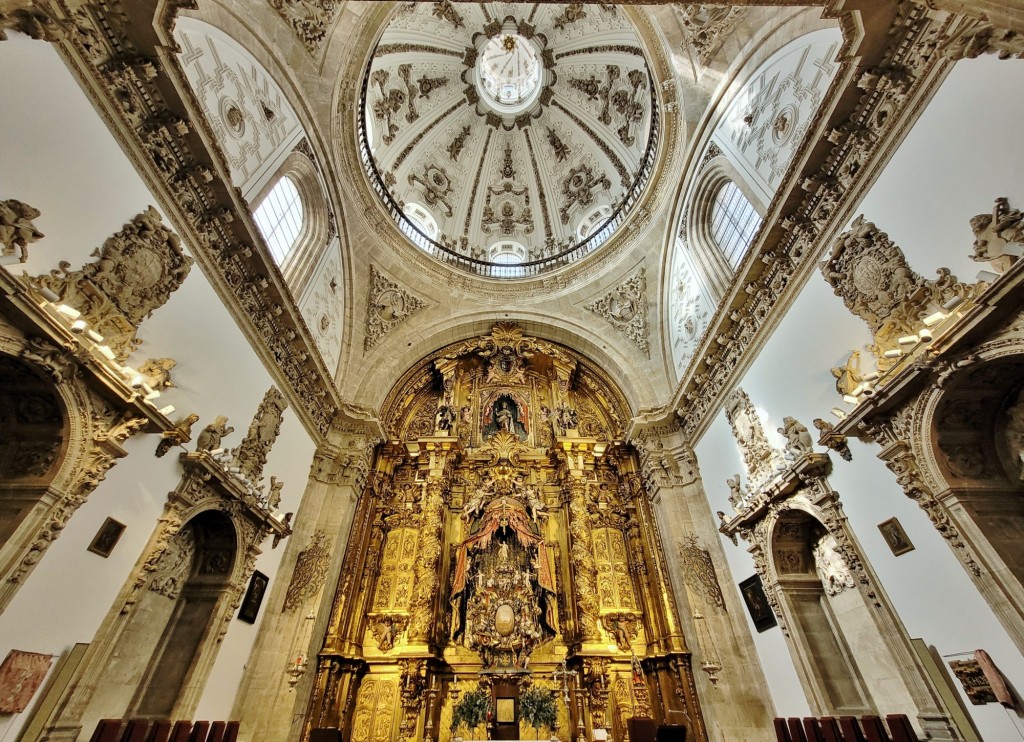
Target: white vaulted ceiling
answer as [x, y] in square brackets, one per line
[524, 179]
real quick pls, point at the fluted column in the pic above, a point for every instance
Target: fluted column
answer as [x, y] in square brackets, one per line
[275, 690]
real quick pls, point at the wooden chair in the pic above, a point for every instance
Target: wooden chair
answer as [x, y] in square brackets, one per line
[107, 730]
[217, 730]
[796, 729]
[851, 729]
[231, 733]
[782, 730]
[642, 729]
[874, 730]
[160, 731]
[829, 728]
[900, 729]
[181, 731]
[200, 731]
[137, 730]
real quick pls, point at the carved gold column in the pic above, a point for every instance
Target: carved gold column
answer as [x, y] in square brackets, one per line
[275, 691]
[576, 456]
[436, 457]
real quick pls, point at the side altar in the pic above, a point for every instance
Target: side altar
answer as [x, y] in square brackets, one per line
[503, 551]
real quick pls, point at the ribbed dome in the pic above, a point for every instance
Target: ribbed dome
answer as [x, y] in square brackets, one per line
[508, 139]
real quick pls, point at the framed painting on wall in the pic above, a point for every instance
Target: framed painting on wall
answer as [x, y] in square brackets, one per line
[895, 537]
[757, 604]
[253, 597]
[106, 537]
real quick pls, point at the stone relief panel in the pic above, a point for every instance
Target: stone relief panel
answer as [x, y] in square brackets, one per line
[249, 114]
[761, 459]
[134, 273]
[323, 308]
[705, 27]
[767, 120]
[388, 305]
[688, 309]
[625, 307]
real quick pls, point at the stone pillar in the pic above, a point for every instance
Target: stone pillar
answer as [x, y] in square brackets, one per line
[739, 705]
[576, 456]
[275, 690]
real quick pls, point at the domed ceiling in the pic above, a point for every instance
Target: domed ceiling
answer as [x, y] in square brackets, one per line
[508, 139]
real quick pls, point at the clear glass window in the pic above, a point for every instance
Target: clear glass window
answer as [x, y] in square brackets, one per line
[279, 218]
[734, 222]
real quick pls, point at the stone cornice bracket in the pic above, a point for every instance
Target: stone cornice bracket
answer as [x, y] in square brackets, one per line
[125, 58]
[666, 457]
[625, 309]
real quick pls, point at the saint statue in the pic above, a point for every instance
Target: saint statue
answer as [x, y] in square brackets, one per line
[505, 416]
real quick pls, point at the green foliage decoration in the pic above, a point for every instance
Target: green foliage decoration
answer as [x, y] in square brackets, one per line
[537, 708]
[471, 710]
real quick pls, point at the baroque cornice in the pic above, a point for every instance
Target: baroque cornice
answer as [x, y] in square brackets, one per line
[863, 130]
[142, 92]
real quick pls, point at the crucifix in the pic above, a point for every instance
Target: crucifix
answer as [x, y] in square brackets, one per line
[564, 674]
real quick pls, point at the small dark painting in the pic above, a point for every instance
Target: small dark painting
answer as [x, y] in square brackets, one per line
[107, 537]
[253, 598]
[757, 604]
[895, 536]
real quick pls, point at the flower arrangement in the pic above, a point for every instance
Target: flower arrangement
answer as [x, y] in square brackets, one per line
[537, 708]
[471, 710]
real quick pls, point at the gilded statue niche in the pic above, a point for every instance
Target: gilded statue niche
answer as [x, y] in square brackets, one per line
[508, 537]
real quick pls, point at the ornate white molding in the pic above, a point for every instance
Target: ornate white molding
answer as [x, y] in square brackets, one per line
[625, 308]
[387, 306]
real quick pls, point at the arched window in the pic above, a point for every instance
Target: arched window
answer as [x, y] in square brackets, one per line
[422, 218]
[734, 222]
[507, 253]
[279, 217]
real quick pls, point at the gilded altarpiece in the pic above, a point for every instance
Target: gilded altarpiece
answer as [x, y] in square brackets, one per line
[504, 540]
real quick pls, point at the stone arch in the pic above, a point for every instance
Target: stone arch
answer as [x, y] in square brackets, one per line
[154, 651]
[851, 651]
[823, 656]
[401, 351]
[33, 440]
[964, 435]
[90, 437]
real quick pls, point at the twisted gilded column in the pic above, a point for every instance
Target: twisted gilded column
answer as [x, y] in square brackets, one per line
[576, 456]
[436, 456]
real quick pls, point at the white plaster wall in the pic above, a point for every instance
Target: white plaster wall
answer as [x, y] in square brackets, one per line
[963, 152]
[57, 155]
[220, 71]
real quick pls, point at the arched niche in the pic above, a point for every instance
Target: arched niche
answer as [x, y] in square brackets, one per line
[33, 438]
[814, 601]
[967, 435]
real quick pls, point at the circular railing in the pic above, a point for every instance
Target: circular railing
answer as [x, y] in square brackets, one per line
[530, 268]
